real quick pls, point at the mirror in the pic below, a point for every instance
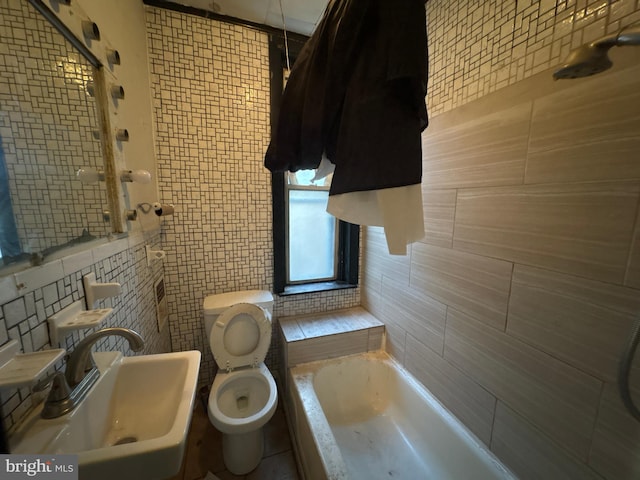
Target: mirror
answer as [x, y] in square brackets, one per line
[49, 129]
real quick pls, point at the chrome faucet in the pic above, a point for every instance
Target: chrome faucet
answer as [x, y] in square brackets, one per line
[68, 389]
[81, 362]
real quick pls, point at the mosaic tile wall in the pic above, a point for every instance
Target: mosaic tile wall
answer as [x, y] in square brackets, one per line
[477, 47]
[25, 318]
[29, 297]
[43, 137]
[210, 82]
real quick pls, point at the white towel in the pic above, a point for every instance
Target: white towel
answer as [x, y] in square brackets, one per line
[398, 210]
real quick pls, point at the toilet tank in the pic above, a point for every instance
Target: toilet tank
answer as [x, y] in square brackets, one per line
[214, 305]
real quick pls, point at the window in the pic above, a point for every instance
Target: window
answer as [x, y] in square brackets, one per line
[9, 239]
[313, 251]
[312, 234]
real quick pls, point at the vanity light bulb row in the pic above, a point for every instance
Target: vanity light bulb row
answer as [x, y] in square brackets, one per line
[90, 30]
[138, 176]
[122, 135]
[116, 91]
[92, 175]
[113, 57]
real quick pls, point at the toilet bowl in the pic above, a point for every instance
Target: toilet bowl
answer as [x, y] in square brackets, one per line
[243, 395]
[244, 401]
[240, 404]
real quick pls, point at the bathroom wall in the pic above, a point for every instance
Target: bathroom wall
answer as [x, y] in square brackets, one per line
[478, 47]
[516, 306]
[29, 297]
[210, 84]
[42, 142]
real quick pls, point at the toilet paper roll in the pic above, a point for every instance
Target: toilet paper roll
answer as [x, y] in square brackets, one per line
[163, 209]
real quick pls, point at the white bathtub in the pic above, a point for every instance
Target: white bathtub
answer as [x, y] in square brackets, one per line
[365, 417]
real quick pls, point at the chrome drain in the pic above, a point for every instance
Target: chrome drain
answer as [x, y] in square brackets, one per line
[125, 440]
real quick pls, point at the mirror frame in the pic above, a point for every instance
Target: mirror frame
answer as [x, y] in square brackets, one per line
[67, 19]
[43, 200]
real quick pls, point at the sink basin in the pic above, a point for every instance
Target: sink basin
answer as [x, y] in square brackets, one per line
[133, 424]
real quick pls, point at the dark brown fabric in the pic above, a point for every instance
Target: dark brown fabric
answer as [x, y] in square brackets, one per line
[357, 93]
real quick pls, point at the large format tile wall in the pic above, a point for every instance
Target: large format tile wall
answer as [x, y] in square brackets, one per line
[210, 82]
[515, 308]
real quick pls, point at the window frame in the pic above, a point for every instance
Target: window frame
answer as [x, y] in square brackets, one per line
[348, 243]
[301, 188]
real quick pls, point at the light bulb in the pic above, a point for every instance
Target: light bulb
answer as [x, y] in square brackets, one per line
[117, 92]
[90, 175]
[138, 176]
[113, 56]
[90, 30]
[122, 135]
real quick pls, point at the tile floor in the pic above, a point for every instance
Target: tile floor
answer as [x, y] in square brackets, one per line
[204, 451]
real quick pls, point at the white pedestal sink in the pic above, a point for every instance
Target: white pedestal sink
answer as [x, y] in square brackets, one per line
[133, 424]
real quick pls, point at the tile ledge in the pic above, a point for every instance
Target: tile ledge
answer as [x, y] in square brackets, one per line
[352, 318]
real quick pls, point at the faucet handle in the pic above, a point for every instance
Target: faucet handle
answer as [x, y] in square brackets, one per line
[42, 384]
[60, 399]
[59, 388]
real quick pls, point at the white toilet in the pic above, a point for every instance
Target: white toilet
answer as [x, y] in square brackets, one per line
[243, 395]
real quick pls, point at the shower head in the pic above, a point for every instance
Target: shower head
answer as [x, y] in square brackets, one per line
[593, 57]
[585, 61]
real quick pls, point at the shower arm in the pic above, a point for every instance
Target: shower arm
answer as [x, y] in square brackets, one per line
[592, 58]
[629, 35]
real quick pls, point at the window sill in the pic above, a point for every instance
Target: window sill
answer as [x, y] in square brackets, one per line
[315, 287]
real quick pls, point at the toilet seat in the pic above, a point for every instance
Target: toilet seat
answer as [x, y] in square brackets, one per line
[241, 336]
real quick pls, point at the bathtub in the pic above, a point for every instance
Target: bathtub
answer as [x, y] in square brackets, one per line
[365, 417]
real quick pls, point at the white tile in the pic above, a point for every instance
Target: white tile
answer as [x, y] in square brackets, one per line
[8, 289]
[109, 249]
[560, 400]
[616, 440]
[466, 399]
[76, 262]
[375, 338]
[530, 454]
[584, 323]
[37, 277]
[14, 312]
[332, 346]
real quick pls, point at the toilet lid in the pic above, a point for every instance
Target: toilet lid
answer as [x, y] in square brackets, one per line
[241, 336]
